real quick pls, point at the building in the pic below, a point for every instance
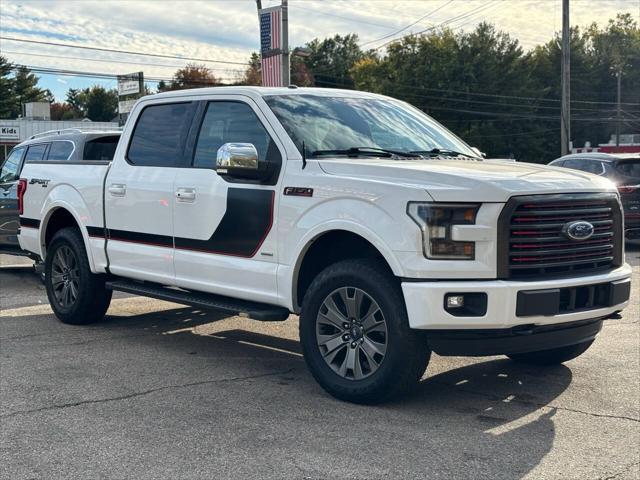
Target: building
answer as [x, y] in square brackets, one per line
[37, 119]
[629, 143]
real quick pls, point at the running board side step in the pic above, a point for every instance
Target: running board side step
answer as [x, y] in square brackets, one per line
[244, 308]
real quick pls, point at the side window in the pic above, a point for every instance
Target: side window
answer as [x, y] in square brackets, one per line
[9, 171]
[231, 122]
[593, 166]
[575, 163]
[159, 135]
[36, 153]
[60, 150]
[103, 148]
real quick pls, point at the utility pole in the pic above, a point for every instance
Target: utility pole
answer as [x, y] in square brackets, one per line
[565, 114]
[619, 77]
[286, 67]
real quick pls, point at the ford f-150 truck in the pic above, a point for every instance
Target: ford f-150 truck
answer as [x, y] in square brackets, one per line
[386, 233]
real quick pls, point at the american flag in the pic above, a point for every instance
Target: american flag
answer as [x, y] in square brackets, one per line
[270, 45]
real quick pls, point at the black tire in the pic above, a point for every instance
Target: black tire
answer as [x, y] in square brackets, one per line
[553, 356]
[406, 353]
[91, 299]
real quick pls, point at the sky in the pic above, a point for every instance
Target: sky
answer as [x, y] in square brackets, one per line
[227, 30]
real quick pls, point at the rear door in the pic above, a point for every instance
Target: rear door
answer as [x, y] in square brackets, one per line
[9, 215]
[139, 193]
[225, 236]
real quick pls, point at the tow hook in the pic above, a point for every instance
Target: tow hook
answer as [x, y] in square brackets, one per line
[614, 316]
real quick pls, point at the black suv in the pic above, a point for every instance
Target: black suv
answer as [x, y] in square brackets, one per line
[623, 169]
[71, 145]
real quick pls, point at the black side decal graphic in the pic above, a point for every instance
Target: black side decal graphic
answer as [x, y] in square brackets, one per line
[243, 228]
[137, 237]
[29, 222]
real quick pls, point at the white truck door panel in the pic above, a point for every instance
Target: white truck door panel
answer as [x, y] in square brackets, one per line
[140, 222]
[225, 237]
[139, 193]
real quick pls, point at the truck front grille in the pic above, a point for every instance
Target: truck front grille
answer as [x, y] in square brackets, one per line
[533, 245]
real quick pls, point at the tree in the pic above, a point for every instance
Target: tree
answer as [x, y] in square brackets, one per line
[101, 104]
[25, 90]
[96, 103]
[62, 111]
[193, 76]
[6, 88]
[331, 60]
[253, 73]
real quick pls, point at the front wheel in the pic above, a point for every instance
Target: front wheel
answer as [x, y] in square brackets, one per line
[355, 334]
[553, 356]
[76, 295]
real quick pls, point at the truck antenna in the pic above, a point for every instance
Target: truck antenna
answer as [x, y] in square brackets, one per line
[304, 155]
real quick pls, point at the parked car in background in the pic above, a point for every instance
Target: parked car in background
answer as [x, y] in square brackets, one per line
[67, 146]
[623, 169]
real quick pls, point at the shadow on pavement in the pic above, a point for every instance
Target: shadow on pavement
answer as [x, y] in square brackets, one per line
[490, 412]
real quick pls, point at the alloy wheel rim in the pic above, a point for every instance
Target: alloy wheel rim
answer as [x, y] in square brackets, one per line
[65, 276]
[351, 333]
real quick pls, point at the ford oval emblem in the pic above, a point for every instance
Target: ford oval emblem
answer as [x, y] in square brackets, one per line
[579, 230]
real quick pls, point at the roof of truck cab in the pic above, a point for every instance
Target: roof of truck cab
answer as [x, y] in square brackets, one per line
[264, 92]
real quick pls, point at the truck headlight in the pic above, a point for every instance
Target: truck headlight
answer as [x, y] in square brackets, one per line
[435, 221]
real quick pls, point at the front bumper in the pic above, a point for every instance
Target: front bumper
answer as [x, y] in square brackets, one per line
[525, 338]
[426, 311]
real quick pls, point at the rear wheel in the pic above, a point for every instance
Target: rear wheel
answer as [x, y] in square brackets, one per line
[355, 334]
[76, 295]
[553, 356]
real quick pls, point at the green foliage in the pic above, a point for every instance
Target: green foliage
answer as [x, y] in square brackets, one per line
[96, 103]
[6, 88]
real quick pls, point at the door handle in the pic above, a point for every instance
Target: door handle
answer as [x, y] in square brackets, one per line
[186, 194]
[117, 189]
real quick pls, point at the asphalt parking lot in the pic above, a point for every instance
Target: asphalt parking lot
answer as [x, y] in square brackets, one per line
[163, 391]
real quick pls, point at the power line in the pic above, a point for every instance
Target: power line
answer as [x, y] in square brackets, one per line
[393, 34]
[114, 61]
[467, 14]
[127, 52]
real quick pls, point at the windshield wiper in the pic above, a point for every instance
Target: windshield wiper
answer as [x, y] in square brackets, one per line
[361, 151]
[444, 151]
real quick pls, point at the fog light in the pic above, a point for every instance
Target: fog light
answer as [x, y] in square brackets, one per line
[468, 304]
[455, 301]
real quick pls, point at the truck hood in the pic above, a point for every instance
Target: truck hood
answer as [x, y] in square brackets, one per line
[455, 180]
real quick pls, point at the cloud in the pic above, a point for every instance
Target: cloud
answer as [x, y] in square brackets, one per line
[61, 80]
[228, 30]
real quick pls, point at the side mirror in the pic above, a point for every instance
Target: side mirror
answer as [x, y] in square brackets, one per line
[235, 158]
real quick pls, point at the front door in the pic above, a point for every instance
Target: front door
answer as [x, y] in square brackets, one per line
[225, 237]
[139, 192]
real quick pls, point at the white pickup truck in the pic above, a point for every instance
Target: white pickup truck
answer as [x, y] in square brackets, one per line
[389, 235]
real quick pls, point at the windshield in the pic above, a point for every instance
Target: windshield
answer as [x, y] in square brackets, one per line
[341, 123]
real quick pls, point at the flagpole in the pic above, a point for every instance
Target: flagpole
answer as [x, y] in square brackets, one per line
[286, 69]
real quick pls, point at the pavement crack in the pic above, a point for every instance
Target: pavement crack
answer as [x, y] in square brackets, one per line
[144, 392]
[541, 405]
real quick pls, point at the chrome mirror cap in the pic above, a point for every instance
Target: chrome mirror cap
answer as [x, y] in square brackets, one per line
[237, 156]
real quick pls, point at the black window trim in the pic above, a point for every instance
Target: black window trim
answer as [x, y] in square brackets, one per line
[194, 135]
[60, 141]
[182, 161]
